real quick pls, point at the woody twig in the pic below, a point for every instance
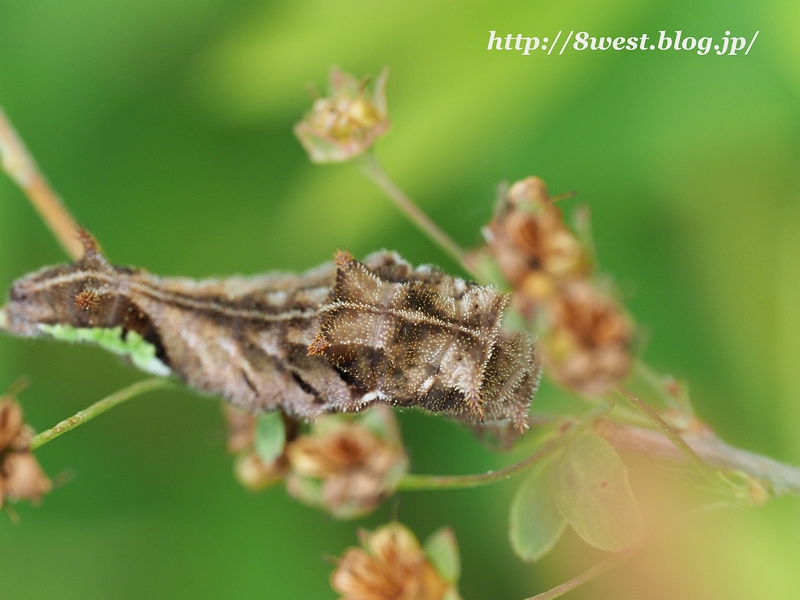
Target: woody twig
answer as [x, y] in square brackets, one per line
[21, 167]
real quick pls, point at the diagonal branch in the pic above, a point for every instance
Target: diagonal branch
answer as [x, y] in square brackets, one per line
[783, 478]
[21, 167]
[101, 406]
[584, 577]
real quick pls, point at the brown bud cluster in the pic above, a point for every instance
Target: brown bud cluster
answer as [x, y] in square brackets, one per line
[21, 477]
[390, 565]
[347, 122]
[587, 335]
[345, 465]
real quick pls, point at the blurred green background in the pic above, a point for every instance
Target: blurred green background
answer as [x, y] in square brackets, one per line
[166, 125]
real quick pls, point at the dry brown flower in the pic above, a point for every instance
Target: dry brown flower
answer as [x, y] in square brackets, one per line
[587, 344]
[240, 425]
[344, 465]
[347, 122]
[251, 471]
[587, 335]
[13, 431]
[390, 565]
[533, 248]
[347, 467]
[21, 477]
[255, 474]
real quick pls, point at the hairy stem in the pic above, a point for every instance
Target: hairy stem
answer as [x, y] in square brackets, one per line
[584, 577]
[671, 434]
[21, 167]
[781, 478]
[374, 171]
[109, 402]
[434, 482]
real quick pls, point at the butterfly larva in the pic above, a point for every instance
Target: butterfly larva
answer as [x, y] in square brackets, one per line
[338, 338]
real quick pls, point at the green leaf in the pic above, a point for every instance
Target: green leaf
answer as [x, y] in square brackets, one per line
[380, 422]
[536, 523]
[594, 495]
[140, 352]
[270, 435]
[442, 551]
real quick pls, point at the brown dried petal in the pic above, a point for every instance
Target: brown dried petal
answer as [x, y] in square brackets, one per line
[587, 346]
[345, 468]
[10, 422]
[531, 244]
[23, 477]
[393, 544]
[255, 474]
[349, 447]
[392, 566]
[241, 427]
[352, 493]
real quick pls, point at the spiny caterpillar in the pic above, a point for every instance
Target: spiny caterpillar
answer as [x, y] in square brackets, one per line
[338, 338]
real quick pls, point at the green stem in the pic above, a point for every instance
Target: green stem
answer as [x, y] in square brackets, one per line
[584, 577]
[437, 482]
[137, 389]
[373, 169]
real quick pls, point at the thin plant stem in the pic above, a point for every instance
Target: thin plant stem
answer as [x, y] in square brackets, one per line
[434, 482]
[670, 433]
[107, 403]
[584, 577]
[656, 382]
[781, 478]
[374, 171]
[21, 167]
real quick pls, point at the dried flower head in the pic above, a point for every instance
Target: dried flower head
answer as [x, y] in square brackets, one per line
[347, 467]
[21, 477]
[347, 122]
[251, 470]
[587, 344]
[531, 245]
[256, 474]
[391, 565]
